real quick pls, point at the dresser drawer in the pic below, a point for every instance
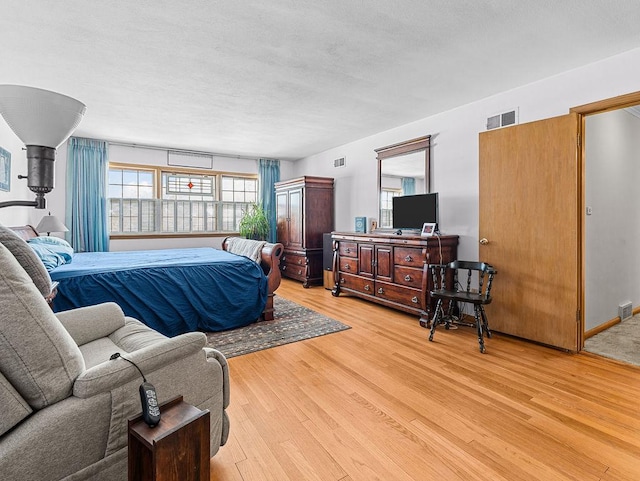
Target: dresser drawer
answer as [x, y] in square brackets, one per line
[408, 276]
[294, 260]
[408, 256]
[349, 264]
[348, 249]
[402, 295]
[294, 270]
[360, 284]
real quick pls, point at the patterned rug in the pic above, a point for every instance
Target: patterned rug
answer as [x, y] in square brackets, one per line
[292, 323]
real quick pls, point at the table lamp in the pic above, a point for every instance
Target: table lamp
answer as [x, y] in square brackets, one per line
[50, 223]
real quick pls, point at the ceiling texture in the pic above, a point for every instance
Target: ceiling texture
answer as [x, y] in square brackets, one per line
[289, 78]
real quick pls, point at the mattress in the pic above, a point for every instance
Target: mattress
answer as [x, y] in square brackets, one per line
[171, 290]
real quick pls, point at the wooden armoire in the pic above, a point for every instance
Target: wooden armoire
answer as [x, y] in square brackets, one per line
[304, 209]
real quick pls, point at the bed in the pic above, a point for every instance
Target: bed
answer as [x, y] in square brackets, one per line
[172, 290]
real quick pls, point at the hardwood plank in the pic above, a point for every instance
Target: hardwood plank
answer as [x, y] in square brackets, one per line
[380, 402]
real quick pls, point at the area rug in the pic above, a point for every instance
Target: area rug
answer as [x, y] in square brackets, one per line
[292, 323]
[621, 342]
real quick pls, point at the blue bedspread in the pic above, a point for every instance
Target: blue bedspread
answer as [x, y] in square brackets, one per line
[172, 290]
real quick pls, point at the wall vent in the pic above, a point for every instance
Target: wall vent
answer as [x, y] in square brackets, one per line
[503, 119]
[341, 162]
[625, 311]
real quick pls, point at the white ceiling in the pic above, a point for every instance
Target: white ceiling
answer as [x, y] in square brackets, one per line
[290, 78]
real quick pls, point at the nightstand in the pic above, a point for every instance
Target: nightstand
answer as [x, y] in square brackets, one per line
[177, 449]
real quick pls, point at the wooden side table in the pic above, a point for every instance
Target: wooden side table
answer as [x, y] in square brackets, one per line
[177, 449]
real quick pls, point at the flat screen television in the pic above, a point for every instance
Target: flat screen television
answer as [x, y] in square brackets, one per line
[411, 211]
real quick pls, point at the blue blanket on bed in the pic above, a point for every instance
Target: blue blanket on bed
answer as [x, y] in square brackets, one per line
[172, 290]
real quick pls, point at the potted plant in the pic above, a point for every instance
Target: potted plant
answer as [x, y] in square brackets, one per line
[254, 223]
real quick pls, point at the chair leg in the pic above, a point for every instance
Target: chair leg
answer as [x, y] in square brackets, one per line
[485, 323]
[476, 311]
[449, 316]
[436, 319]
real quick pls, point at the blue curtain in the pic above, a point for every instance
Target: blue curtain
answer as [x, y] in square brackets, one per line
[408, 186]
[86, 212]
[269, 174]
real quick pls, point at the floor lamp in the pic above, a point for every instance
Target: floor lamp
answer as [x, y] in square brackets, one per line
[42, 120]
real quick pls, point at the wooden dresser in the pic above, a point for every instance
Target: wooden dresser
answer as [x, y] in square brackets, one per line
[390, 269]
[304, 211]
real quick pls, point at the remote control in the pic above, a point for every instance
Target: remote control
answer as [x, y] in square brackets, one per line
[150, 408]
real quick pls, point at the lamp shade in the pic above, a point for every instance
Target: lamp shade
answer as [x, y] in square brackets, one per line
[40, 117]
[50, 223]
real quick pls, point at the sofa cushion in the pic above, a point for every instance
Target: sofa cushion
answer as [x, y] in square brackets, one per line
[27, 258]
[14, 408]
[37, 355]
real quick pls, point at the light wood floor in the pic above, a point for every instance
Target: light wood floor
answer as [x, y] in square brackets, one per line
[379, 402]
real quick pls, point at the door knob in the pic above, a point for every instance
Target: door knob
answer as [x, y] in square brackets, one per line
[484, 241]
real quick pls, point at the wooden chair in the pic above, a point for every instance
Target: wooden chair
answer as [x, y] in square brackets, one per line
[479, 295]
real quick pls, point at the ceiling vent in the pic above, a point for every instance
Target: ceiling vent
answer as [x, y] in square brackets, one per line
[341, 162]
[503, 119]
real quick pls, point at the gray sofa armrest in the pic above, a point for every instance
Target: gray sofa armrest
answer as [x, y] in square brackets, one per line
[87, 324]
[111, 374]
[220, 359]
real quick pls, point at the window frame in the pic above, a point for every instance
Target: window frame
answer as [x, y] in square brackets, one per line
[158, 171]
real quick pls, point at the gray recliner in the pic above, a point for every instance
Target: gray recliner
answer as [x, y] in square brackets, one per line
[65, 404]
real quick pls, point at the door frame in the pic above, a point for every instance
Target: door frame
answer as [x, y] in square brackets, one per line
[583, 111]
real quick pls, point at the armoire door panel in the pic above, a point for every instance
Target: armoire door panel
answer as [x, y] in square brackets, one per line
[295, 218]
[282, 217]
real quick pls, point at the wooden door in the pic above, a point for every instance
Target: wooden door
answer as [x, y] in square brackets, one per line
[282, 217]
[295, 218]
[529, 217]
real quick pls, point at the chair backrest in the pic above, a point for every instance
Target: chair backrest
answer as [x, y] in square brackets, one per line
[482, 272]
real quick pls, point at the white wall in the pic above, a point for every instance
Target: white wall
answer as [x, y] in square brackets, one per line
[612, 164]
[454, 153]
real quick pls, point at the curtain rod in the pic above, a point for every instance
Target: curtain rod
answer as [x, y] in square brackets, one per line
[183, 151]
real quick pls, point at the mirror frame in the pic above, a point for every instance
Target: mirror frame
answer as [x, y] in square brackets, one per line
[402, 148]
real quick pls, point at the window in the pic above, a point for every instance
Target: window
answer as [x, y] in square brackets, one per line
[149, 200]
[386, 206]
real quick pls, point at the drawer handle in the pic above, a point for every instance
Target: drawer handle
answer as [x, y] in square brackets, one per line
[414, 299]
[367, 287]
[299, 272]
[347, 267]
[342, 281]
[284, 268]
[299, 261]
[408, 258]
[348, 250]
[284, 258]
[407, 278]
[380, 290]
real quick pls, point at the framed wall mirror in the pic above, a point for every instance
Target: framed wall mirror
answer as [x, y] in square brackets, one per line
[403, 169]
